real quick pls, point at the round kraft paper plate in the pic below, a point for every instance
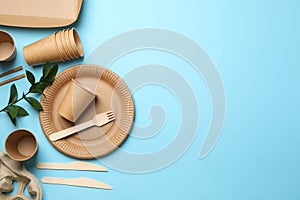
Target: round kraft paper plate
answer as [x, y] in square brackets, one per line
[111, 94]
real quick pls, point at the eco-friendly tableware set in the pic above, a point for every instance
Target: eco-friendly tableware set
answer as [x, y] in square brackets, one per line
[87, 112]
[59, 47]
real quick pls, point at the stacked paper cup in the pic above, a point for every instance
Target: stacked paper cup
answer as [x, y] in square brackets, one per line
[61, 46]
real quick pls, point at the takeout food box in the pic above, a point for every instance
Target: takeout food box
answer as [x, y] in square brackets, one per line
[39, 13]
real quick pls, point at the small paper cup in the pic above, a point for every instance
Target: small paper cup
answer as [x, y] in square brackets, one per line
[60, 47]
[7, 47]
[75, 42]
[21, 145]
[42, 51]
[64, 45]
[58, 50]
[77, 98]
[67, 44]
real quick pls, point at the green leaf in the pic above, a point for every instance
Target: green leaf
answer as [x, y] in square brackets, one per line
[30, 77]
[13, 120]
[13, 94]
[46, 69]
[49, 73]
[34, 103]
[38, 88]
[22, 112]
[13, 111]
[52, 73]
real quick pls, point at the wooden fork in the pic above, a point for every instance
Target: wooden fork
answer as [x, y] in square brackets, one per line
[99, 120]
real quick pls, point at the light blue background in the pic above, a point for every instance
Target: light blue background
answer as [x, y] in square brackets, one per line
[255, 46]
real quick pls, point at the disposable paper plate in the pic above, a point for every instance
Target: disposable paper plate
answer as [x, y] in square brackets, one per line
[39, 13]
[112, 94]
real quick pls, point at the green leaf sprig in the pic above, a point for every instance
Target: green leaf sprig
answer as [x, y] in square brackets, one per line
[37, 87]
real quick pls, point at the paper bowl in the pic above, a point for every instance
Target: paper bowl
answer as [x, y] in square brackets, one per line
[7, 47]
[21, 145]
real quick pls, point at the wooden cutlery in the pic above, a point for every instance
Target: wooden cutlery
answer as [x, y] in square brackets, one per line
[77, 166]
[11, 71]
[99, 120]
[13, 78]
[79, 182]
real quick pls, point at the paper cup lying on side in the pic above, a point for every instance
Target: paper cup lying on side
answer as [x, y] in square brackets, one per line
[21, 145]
[76, 44]
[69, 45]
[77, 98]
[42, 51]
[61, 46]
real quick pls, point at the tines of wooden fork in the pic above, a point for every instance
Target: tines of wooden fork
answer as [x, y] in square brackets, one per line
[110, 115]
[104, 118]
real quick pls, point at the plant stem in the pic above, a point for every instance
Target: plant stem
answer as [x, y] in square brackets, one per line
[21, 98]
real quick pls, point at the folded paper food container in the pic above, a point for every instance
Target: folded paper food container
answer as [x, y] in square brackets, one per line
[39, 13]
[77, 98]
[42, 51]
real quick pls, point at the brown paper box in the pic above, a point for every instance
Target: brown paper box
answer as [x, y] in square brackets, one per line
[76, 100]
[39, 13]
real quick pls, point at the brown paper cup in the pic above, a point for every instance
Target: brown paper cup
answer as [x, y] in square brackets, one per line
[75, 42]
[59, 47]
[76, 100]
[7, 47]
[42, 51]
[64, 45]
[21, 145]
[68, 43]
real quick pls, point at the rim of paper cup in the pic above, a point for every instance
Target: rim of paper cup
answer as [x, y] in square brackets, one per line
[75, 39]
[60, 55]
[65, 44]
[27, 157]
[72, 45]
[64, 48]
[13, 42]
[69, 44]
[60, 47]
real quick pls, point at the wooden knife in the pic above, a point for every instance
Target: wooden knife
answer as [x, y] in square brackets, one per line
[77, 165]
[77, 182]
